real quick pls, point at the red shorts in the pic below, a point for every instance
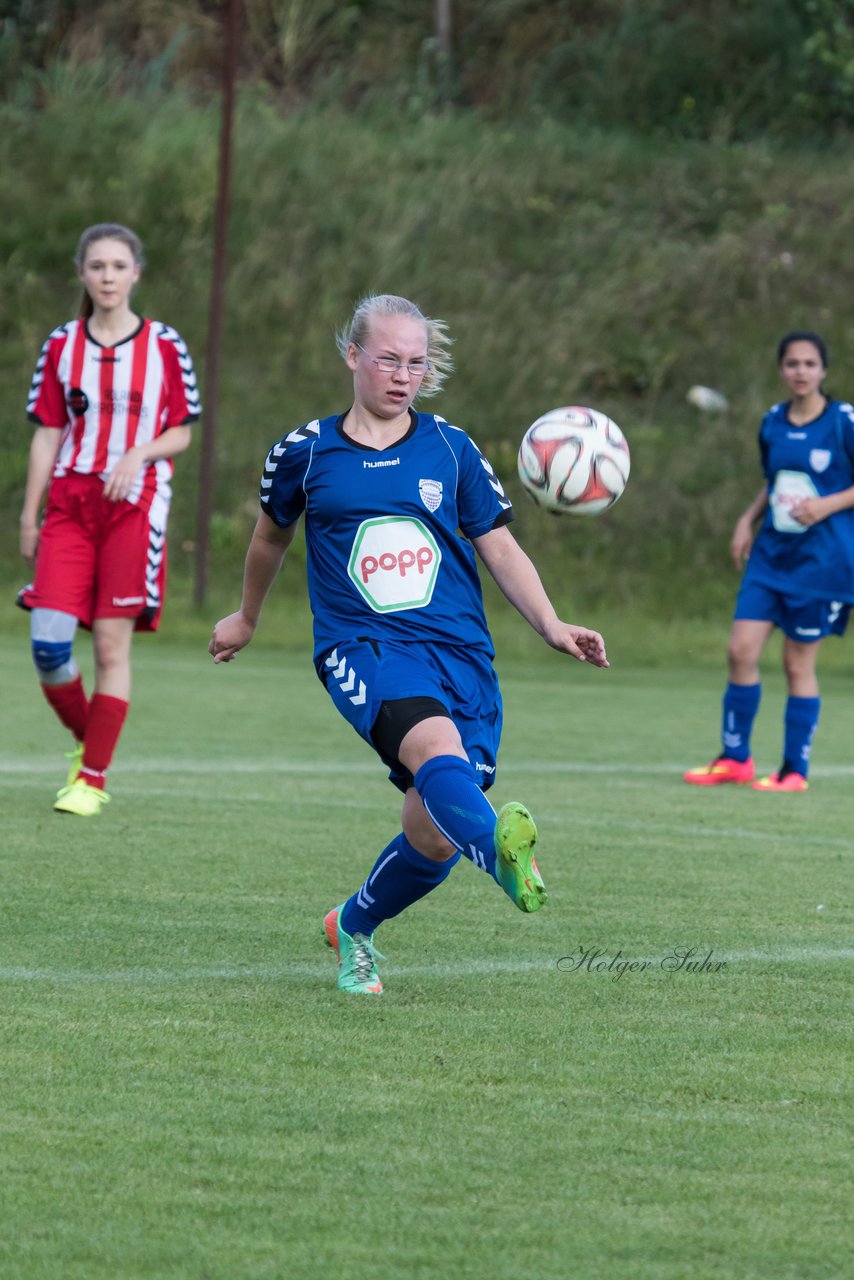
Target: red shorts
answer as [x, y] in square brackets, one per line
[96, 558]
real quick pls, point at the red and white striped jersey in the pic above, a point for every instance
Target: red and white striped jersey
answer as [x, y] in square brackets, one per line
[104, 400]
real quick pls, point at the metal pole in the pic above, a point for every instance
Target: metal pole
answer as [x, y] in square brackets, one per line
[211, 400]
[443, 50]
[443, 27]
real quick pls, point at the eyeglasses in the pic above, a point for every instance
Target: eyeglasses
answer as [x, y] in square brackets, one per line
[415, 368]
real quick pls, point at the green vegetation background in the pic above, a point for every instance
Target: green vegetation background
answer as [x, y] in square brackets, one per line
[607, 207]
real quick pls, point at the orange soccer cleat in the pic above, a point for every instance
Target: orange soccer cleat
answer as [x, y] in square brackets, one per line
[781, 781]
[357, 957]
[721, 770]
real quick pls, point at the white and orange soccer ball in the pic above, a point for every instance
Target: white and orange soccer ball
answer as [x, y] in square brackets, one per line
[574, 460]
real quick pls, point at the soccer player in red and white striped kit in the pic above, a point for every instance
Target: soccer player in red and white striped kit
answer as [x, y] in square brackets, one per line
[112, 398]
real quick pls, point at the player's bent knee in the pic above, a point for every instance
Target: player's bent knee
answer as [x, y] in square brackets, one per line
[51, 636]
[742, 656]
[430, 844]
[421, 831]
[53, 661]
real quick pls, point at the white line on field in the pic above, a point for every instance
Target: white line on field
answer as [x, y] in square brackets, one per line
[207, 766]
[300, 972]
[666, 830]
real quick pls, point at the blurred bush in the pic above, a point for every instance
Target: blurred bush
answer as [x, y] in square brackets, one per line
[576, 260]
[574, 265]
[690, 68]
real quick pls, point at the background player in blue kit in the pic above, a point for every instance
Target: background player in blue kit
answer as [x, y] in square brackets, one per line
[401, 641]
[800, 571]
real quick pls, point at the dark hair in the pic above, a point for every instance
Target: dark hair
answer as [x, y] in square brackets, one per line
[105, 231]
[816, 341]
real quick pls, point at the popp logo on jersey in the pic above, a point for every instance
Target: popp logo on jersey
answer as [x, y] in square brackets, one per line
[394, 563]
[790, 488]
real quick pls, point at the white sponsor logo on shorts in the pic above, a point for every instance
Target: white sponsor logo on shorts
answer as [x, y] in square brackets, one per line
[808, 631]
[119, 602]
[484, 768]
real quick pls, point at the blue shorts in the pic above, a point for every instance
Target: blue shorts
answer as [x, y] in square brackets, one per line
[797, 617]
[359, 675]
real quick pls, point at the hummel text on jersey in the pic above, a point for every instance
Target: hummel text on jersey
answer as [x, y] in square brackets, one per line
[385, 462]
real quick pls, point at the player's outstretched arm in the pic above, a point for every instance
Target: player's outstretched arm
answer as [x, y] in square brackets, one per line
[517, 577]
[263, 561]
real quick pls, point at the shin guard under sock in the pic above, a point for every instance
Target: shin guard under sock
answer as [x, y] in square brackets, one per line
[450, 793]
[70, 704]
[801, 722]
[106, 719]
[740, 705]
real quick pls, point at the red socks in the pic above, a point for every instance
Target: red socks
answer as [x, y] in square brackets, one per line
[97, 723]
[71, 705]
[103, 726]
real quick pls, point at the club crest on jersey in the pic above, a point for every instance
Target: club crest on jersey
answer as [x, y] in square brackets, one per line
[819, 459]
[430, 492]
[78, 401]
[394, 563]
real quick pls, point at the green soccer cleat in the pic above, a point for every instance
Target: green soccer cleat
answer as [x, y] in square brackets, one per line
[81, 799]
[515, 867]
[75, 760]
[357, 956]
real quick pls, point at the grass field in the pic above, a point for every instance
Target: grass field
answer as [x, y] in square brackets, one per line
[187, 1095]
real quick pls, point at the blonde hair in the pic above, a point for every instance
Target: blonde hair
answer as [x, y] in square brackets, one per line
[105, 231]
[389, 304]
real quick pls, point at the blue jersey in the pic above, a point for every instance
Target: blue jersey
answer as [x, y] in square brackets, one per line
[807, 461]
[386, 558]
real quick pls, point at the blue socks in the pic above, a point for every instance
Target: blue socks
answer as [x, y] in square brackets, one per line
[450, 793]
[400, 876]
[801, 723]
[740, 705]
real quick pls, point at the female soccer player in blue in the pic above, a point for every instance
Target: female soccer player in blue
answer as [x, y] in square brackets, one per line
[800, 570]
[401, 641]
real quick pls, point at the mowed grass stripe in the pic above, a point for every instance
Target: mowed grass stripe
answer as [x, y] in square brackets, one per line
[187, 1094]
[300, 972]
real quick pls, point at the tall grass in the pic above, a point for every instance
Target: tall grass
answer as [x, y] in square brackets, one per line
[573, 265]
[686, 68]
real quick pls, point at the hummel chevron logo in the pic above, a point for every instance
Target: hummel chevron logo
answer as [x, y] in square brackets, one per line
[494, 482]
[477, 857]
[302, 433]
[342, 670]
[312, 429]
[363, 898]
